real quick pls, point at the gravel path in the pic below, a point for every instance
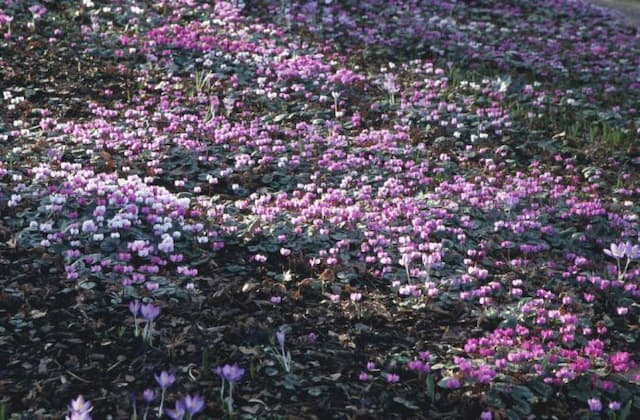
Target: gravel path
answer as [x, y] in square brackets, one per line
[630, 9]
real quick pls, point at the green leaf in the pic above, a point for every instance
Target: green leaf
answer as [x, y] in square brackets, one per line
[315, 391]
[406, 403]
[431, 389]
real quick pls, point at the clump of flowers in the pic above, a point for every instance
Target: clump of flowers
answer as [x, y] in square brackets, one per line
[230, 374]
[623, 251]
[189, 406]
[149, 313]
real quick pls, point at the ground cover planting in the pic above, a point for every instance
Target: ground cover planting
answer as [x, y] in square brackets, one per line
[319, 209]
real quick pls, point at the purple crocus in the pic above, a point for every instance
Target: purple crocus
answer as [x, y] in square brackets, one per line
[194, 404]
[165, 379]
[149, 311]
[134, 307]
[80, 409]
[177, 413]
[230, 373]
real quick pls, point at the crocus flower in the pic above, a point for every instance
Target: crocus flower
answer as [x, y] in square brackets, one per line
[617, 251]
[134, 307]
[165, 379]
[232, 373]
[177, 413]
[80, 409]
[80, 405]
[281, 335]
[194, 404]
[149, 311]
[149, 395]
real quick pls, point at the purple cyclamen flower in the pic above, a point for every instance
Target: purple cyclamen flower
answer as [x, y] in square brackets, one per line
[230, 373]
[614, 405]
[453, 383]
[177, 413]
[149, 311]
[392, 378]
[165, 379]
[194, 404]
[486, 415]
[364, 376]
[594, 405]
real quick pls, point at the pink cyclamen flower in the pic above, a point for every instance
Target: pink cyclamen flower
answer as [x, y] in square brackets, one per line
[364, 376]
[392, 378]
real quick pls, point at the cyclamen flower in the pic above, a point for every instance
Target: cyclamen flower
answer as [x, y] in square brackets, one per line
[392, 378]
[594, 405]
